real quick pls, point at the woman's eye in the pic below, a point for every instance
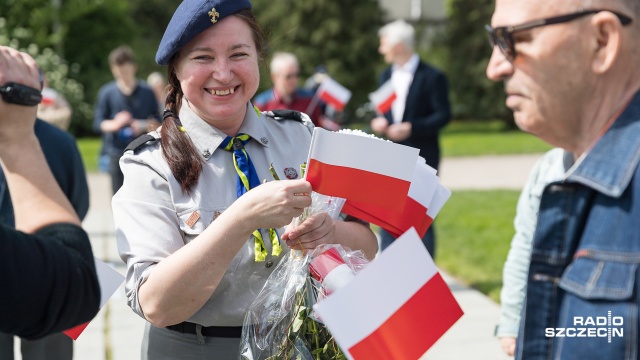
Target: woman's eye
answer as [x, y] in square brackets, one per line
[239, 55]
[203, 57]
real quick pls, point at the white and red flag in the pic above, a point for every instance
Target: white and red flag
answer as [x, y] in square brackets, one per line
[397, 307]
[358, 168]
[440, 197]
[110, 280]
[383, 98]
[424, 184]
[331, 92]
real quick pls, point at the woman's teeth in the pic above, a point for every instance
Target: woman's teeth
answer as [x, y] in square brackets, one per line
[223, 92]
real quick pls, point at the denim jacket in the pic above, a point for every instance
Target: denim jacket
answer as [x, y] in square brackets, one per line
[583, 277]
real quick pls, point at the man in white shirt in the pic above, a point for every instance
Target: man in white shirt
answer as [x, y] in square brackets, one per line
[421, 108]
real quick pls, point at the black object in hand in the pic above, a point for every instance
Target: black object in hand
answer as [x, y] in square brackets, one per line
[20, 94]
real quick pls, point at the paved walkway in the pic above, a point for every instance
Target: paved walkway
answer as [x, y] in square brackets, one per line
[116, 333]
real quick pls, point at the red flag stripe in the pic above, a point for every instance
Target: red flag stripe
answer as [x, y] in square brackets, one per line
[330, 99]
[385, 106]
[324, 263]
[414, 214]
[357, 185]
[75, 332]
[426, 316]
[366, 216]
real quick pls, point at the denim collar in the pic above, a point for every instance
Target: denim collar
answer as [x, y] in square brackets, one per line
[612, 162]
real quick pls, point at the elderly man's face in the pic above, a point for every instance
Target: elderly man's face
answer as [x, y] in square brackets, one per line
[286, 80]
[388, 49]
[546, 80]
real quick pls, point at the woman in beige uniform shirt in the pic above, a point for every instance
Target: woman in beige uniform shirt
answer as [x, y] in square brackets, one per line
[182, 228]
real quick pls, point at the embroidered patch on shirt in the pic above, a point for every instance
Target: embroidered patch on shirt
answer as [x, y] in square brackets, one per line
[193, 218]
[290, 173]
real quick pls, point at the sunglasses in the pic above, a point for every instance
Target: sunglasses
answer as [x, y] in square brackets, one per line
[503, 36]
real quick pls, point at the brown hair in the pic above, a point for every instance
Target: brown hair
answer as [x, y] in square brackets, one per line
[121, 55]
[178, 150]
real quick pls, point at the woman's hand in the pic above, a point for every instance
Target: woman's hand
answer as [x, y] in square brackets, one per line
[315, 230]
[274, 204]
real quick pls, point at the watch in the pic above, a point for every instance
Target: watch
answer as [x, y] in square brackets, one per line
[20, 94]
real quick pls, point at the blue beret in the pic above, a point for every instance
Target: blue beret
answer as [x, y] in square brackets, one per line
[190, 19]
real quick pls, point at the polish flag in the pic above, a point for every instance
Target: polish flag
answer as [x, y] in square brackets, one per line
[441, 196]
[413, 305]
[331, 92]
[330, 270]
[110, 280]
[383, 97]
[364, 169]
[424, 185]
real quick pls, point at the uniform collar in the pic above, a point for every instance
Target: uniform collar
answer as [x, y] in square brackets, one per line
[612, 162]
[207, 137]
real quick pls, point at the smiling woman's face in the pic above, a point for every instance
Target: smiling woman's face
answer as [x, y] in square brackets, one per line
[218, 72]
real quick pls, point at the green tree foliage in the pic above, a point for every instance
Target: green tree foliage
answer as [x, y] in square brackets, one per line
[341, 35]
[35, 15]
[473, 96]
[96, 30]
[89, 45]
[55, 68]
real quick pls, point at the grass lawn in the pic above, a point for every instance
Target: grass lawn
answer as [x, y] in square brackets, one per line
[90, 150]
[463, 138]
[473, 234]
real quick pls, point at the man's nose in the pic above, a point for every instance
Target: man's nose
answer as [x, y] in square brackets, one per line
[499, 68]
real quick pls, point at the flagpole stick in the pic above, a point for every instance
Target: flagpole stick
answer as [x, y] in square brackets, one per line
[313, 104]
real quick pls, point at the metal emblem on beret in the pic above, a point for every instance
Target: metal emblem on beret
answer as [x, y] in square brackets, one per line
[264, 140]
[290, 173]
[214, 15]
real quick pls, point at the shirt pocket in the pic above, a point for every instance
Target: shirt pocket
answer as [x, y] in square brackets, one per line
[194, 221]
[590, 278]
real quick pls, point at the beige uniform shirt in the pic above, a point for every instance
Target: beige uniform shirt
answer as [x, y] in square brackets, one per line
[151, 210]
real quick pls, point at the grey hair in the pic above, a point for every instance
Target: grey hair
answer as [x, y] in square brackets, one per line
[155, 78]
[398, 32]
[280, 60]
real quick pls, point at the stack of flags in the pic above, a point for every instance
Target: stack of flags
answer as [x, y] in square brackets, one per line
[384, 183]
[398, 306]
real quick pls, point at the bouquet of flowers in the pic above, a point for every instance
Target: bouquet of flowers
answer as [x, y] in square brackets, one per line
[281, 323]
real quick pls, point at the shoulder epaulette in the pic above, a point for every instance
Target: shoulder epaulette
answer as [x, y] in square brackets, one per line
[140, 141]
[285, 115]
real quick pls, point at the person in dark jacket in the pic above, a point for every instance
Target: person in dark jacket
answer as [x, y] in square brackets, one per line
[421, 108]
[48, 280]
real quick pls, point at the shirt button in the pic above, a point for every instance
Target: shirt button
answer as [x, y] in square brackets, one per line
[269, 264]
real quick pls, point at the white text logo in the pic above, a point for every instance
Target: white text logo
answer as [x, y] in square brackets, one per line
[598, 326]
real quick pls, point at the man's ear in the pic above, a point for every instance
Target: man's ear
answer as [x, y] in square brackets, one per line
[607, 32]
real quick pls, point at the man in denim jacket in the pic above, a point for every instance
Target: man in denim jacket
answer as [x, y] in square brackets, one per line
[571, 72]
